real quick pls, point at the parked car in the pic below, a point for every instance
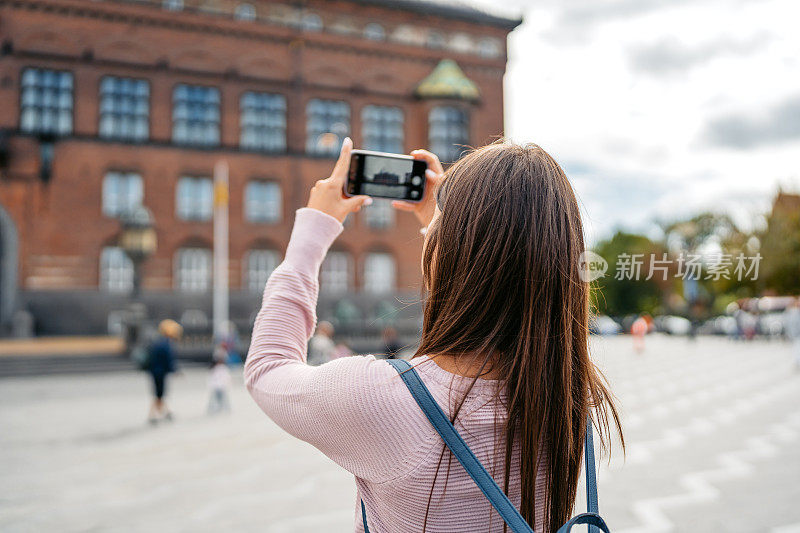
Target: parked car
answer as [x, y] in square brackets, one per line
[604, 325]
[673, 325]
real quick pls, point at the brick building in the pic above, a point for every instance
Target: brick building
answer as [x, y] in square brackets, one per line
[110, 104]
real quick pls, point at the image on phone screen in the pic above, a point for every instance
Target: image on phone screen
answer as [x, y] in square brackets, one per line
[395, 176]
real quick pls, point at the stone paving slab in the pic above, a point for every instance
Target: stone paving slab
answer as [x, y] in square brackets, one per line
[712, 429]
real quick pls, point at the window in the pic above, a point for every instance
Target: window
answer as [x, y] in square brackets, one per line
[336, 272]
[46, 101]
[260, 264]
[194, 198]
[374, 32]
[122, 192]
[193, 270]
[172, 5]
[263, 121]
[379, 273]
[489, 47]
[116, 270]
[327, 124]
[435, 40]
[311, 22]
[382, 128]
[379, 215]
[124, 109]
[262, 201]
[448, 132]
[245, 12]
[195, 115]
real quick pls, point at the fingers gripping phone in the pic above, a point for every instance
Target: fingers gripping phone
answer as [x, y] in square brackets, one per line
[382, 175]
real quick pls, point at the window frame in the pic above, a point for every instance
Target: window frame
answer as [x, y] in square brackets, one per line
[256, 285]
[122, 284]
[261, 111]
[39, 131]
[369, 285]
[453, 152]
[266, 184]
[128, 175]
[328, 116]
[180, 283]
[325, 285]
[203, 122]
[117, 114]
[205, 205]
[385, 142]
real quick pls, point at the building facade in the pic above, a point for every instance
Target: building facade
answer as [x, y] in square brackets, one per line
[108, 105]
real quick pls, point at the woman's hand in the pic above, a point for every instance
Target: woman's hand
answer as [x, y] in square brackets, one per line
[425, 208]
[328, 194]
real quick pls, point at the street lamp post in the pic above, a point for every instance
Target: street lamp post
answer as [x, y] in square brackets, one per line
[138, 240]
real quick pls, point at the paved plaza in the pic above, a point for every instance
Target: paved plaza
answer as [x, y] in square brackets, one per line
[712, 426]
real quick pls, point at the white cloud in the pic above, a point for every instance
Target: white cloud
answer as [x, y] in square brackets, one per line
[629, 94]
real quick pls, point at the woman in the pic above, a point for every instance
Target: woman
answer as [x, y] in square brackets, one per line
[503, 349]
[161, 362]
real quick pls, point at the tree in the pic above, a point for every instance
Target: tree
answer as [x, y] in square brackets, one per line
[780, 246]
[614, 296]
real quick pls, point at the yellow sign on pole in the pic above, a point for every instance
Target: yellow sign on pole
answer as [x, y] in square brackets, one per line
[221, 195]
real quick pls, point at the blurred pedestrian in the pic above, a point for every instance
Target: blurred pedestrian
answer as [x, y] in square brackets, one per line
[161, 363]
[391, 344]
[638, 331]
[229, 341]
[321, 345]
[219, 381]
[791, 319]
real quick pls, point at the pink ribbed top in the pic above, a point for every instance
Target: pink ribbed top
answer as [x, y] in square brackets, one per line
[357, 411]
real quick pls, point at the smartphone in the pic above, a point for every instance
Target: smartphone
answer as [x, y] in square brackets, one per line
[382, 175]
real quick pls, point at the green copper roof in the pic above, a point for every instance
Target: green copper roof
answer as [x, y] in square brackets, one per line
[448, 81]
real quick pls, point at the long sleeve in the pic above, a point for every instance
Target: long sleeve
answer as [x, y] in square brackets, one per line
[347, 408]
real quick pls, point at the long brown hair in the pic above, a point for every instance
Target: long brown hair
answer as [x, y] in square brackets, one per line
[501, 267]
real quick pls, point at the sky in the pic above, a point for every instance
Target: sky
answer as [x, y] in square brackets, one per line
[659, 109]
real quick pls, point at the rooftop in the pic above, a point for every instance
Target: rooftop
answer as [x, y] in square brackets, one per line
[448, 9]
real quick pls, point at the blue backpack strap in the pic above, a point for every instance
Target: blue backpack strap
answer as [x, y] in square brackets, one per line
[453, 440]
[591, 475]
[364, 517]
[478, 473]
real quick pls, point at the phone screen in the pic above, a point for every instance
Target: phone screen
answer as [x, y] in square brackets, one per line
[386, 176]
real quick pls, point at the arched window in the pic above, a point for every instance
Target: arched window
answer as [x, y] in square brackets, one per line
[327, 124]
[379, 273]
[382, 128]
[122, 192]
[262, 201]
[311, 22]
[172, 5]
[336, 273]
[374, 32]
[193, 269]
[245, 12]
[262, 117]
[260, 264]
[116, 270]
[448, 132]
